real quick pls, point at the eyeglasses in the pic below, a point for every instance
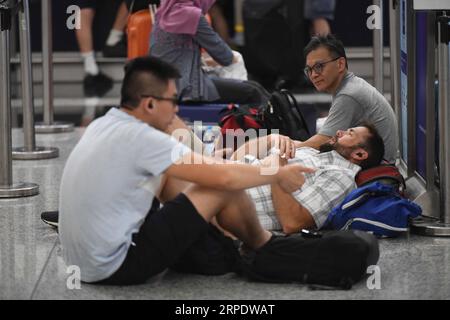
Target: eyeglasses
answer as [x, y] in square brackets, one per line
[175, 100]
[318, 67]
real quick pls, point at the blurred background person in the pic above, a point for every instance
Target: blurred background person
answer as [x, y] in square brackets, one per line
[276, 31]
[96, 83]
[179, 33]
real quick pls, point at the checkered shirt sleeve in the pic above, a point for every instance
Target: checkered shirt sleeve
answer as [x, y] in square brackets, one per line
[262, 198]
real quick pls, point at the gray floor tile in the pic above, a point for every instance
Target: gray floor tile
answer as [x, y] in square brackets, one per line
[25, 245]
[410, 267]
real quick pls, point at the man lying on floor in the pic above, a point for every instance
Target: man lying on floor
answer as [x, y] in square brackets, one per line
[337, 162]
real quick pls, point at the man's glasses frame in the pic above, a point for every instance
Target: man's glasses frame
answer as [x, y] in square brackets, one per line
[318, 67]
[175, 100]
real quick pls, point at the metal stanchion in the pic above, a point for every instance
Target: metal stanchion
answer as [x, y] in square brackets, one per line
[238, 23]
[444, 118]
[49, 125]
[378, 51]
[7, 188]
[30, 151]
[442, 227]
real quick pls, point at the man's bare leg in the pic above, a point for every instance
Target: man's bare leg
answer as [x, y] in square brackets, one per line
[121, 18]
[84, 34]
[234, 210]
[172, 187]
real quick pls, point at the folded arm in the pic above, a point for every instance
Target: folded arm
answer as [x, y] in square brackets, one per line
[208, 39]
[259, 147]
[291, 214]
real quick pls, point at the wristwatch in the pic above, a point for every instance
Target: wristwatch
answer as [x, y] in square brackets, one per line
[250, 159]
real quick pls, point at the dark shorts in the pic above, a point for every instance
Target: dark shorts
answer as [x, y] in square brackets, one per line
[92, 4]
[175, 236]
[140, 4]
[83, 4]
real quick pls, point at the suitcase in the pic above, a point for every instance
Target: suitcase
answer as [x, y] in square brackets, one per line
[139, 27]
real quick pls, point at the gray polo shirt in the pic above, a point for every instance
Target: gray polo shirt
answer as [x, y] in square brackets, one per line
[356, 101]
[107, 188]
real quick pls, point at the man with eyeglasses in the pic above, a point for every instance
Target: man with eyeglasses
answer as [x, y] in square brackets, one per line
[354, 100]
[124, 161]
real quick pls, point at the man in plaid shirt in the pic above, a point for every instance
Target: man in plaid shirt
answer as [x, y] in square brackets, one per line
[337, 162]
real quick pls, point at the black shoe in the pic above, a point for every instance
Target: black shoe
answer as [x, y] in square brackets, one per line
[50, 218]
[119, 50]
[96, 86]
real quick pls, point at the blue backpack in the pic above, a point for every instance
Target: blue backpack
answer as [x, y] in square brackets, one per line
[376, 208]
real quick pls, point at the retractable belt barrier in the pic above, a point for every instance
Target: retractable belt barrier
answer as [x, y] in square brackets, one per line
[7, 188]
[29, 151]
[49, 125]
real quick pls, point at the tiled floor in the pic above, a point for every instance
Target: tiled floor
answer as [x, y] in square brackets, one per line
[31, 266]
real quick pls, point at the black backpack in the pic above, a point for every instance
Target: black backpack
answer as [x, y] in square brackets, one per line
[212, 254]
[334, 259]
[281, 112]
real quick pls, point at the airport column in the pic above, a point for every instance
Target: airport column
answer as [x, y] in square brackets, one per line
[444, 117]
[442, 226]
[7, 188]
[29, 151]
[49, 125]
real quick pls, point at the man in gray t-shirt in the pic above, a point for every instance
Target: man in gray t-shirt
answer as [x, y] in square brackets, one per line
[354, 100]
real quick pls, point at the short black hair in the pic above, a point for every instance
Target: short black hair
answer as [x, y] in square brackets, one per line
[374, 145]
[145, 76]
[329, 41]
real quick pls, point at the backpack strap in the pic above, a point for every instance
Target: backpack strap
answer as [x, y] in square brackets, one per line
[373, 223]
[372, 190]
[298, 115]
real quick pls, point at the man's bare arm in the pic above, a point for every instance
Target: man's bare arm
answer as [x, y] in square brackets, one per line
[260, 147]
[234, 176]
[292, 215]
